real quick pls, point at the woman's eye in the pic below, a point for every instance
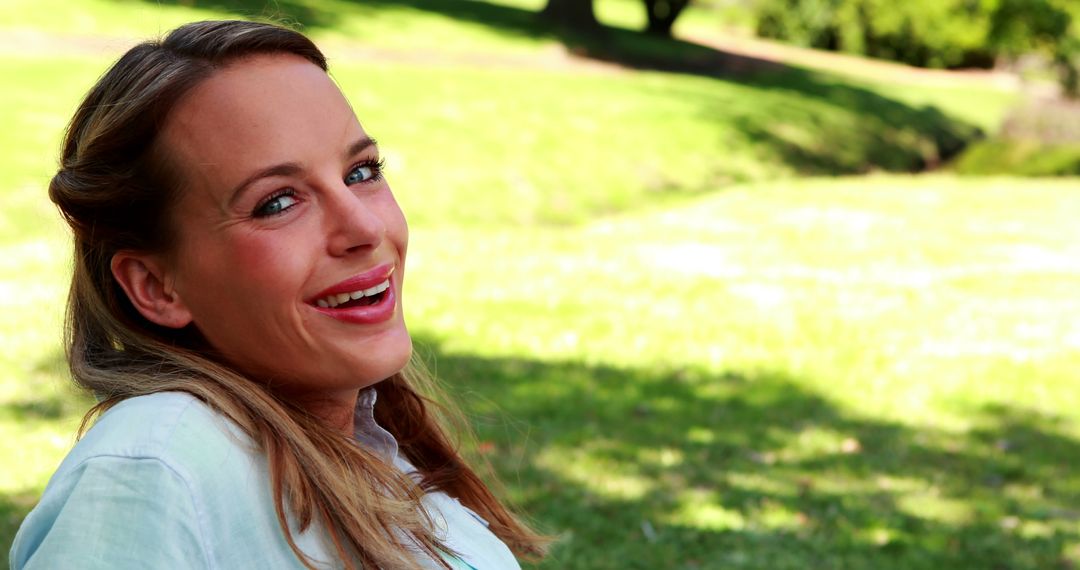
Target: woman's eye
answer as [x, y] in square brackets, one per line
[276, 204]
[365, 172]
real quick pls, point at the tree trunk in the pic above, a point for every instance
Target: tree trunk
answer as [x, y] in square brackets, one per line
[576, 14]
[1068, 73]
[662, 15]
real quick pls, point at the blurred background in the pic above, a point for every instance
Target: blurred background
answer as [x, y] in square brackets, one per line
[775, 284]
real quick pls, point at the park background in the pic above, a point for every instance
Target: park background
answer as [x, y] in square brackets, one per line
[711, 301]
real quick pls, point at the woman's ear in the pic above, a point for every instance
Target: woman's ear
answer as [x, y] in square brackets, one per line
[146, 281]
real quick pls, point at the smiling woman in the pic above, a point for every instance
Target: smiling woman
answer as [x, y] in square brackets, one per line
[236, 308]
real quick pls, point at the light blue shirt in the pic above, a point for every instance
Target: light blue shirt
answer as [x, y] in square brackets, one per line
[162, 481]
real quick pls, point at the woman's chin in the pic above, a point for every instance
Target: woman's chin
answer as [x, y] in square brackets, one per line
[396, 363]
[384, 358]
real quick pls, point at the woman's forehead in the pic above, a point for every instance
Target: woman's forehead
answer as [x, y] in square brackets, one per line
[260, 110]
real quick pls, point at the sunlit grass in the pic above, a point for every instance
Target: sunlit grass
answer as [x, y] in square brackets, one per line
[671, 365]
[848, 276]
[388, 24]
[825, 367]
[528, 146]
[875, 371]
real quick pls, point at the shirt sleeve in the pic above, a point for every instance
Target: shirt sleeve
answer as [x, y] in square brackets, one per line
[113, 512]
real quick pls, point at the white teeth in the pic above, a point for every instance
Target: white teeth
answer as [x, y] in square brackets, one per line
[376, 289]
[332, 301]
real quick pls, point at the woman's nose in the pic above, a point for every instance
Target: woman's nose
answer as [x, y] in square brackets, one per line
[352, 224]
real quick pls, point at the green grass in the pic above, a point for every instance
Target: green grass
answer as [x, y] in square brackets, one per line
[679, 354]
[867, 373]
[529, 139]
[412, 24]
[864, 373]
[389, 24]
[496, 30]
[1023, 157]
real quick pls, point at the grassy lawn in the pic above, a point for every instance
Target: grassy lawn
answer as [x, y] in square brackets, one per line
[863, 373]
[679, 353]
[867, 373]
[532, 139]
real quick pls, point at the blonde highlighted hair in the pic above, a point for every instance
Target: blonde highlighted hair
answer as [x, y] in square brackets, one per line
[115, 187]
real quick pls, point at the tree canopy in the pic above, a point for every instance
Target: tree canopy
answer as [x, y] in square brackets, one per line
[932, 33]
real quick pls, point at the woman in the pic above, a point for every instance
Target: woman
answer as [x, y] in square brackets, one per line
[236, 308]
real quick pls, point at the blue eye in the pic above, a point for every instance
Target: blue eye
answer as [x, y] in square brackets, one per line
[364, 172]
[276, 204]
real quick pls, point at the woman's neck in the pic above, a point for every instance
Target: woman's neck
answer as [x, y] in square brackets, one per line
[337, 411]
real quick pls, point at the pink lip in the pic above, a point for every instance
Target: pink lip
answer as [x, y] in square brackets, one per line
[365, 280]
[364, 314]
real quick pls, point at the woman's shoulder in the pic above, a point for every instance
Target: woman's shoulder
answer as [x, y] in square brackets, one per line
[174, 428]
[140, 489]
[173, 431]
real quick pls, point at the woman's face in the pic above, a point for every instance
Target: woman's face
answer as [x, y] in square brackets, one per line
[290, 249]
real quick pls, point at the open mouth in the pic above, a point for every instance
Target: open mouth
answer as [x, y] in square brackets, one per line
[358, 298]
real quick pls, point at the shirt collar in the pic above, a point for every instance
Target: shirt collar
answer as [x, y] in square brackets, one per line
[368, 432]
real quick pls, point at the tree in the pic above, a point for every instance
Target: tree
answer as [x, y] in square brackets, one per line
[1040, 26]
[662, 15]
[934, 33]
[577, 14]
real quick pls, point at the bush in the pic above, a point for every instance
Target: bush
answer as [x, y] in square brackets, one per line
[932, 33]
[1020, 158]
[926, 33]
[1041, 138]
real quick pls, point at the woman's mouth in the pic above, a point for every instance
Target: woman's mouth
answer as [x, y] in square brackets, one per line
[367, 298]
[358, 298]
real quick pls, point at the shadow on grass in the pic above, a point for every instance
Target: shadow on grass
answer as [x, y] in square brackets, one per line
[685, 469]
[887, 135]
[13, 509]
[639, 468]
[619, 46]
[55, 398]
[837, 128]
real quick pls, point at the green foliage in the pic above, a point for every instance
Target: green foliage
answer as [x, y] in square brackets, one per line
[1020, 157]
[1018, 27]
[931, 33]
[1041, 138]
[1049, 27]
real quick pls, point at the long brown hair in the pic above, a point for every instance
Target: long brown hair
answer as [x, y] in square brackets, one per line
[114, 187]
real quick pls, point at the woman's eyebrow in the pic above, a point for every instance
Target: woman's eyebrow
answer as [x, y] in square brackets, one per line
[293, 168]
[359, 146]
[283, 169]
